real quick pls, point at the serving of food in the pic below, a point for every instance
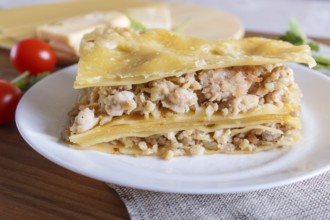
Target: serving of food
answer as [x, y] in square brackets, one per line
[139, 94]
[159, 93]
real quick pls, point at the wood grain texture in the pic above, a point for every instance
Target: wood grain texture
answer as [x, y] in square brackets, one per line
[31, 187]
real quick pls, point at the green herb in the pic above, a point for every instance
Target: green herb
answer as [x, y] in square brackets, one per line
[295, 36]
[182, 26]
[25, 81]
[322, 62]
[20, 79]
[314, 46]
[135, 25]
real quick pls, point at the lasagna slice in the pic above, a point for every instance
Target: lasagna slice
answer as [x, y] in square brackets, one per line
[160, 93]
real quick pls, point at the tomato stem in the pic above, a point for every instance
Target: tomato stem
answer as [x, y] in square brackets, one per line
[20, 77]
[25, 80]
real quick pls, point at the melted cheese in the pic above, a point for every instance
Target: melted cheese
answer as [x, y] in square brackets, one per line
[118, 56]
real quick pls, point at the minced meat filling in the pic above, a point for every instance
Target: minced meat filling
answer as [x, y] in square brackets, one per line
[196, 142]
[230, 90]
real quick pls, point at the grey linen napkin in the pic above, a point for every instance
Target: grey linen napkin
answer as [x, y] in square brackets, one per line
[308, 199]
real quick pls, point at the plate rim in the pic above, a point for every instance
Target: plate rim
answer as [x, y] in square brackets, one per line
[186, 190]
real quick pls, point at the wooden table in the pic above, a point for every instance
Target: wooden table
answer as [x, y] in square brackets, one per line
[32, 187]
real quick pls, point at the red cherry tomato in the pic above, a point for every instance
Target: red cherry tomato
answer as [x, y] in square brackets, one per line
[33, 55]
[9, 98]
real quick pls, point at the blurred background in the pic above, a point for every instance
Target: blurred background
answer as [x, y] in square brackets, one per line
[256, 15]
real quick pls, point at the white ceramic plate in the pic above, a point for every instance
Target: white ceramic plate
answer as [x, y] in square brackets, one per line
[42, 113]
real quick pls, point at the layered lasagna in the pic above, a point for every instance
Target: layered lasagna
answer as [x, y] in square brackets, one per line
[160, 93]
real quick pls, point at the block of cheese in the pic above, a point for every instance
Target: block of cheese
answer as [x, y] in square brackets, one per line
[65, 35]
[157, 16]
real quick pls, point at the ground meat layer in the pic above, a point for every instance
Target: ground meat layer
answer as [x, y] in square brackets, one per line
[195, 142]
[230, 91]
